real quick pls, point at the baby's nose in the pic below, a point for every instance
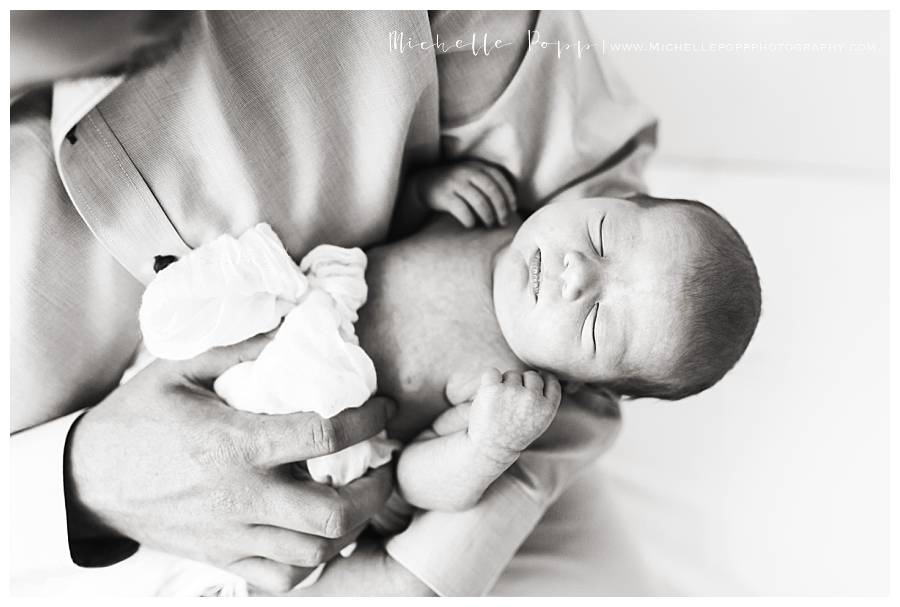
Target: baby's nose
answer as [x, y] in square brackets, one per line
[577, 275]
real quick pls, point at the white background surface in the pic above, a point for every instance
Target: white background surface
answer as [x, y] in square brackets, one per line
[776, 480]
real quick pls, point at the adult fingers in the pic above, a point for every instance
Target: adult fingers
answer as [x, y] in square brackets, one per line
[533, 381]
[325, 511]
[298, 549]
[206, 367]
[282, 439]
[269, 575]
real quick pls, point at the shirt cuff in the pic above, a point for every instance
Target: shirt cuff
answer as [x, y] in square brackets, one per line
[464, 553]
[39, 533]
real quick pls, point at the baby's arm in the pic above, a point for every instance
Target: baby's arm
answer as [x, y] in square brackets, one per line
[471, 191]
[451, 465]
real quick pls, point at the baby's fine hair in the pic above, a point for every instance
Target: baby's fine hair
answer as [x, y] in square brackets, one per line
[722, 307]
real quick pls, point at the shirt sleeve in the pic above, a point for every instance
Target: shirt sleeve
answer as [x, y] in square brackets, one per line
[39, 534]
[464, 553]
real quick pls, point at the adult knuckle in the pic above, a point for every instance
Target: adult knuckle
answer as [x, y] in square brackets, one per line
[223, 448]
[226, 502]
[337, 522]
[323, 435]
[297, 556]
[166, 370]
[258, 444]
[317, 553]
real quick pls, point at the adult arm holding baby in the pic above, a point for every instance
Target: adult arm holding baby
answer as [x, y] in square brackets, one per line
[557, 126]
[219, 489]
[162, 461]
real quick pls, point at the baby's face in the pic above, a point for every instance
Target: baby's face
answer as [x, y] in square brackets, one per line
[591, 289]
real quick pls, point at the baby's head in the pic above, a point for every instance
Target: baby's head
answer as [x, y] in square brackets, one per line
[644, 296]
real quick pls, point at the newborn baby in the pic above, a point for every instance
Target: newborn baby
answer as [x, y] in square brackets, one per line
[469, 330]
[476, 333]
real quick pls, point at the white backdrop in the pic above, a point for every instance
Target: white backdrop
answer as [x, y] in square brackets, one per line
[776, 480]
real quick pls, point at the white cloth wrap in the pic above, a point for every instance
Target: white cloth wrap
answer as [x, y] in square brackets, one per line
[233, 288]
[220, 294]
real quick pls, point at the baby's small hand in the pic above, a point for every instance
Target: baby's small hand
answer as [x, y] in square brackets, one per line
[511, 411]
[470, 191]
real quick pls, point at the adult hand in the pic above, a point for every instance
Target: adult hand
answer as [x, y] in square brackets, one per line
[163, 461]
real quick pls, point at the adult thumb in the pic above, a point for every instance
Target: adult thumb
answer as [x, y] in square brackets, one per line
[206, 367]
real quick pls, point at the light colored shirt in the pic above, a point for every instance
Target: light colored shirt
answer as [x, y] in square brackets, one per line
[307, 121]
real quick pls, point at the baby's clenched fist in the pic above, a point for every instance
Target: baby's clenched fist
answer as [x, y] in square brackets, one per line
[511, 411]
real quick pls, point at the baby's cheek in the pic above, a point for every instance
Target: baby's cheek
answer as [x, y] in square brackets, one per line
[551, 352]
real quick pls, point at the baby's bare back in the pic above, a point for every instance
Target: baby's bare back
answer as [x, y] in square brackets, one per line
[429, 319]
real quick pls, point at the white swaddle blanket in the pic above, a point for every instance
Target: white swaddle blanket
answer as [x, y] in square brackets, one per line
[234, 288]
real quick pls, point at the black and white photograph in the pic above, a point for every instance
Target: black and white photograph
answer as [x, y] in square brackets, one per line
[458, 303]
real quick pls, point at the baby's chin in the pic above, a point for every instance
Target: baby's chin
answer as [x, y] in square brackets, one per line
[563, 372]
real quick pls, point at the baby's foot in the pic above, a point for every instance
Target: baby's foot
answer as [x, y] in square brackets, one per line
[511, 411]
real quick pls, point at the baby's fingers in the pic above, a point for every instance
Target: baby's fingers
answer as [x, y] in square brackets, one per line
[494, 194]
[502, 181]
[552, 388]
[491, 377]
[477, 201]
[512, 378]
[533, 381]
[457, 206]
[454, 419]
